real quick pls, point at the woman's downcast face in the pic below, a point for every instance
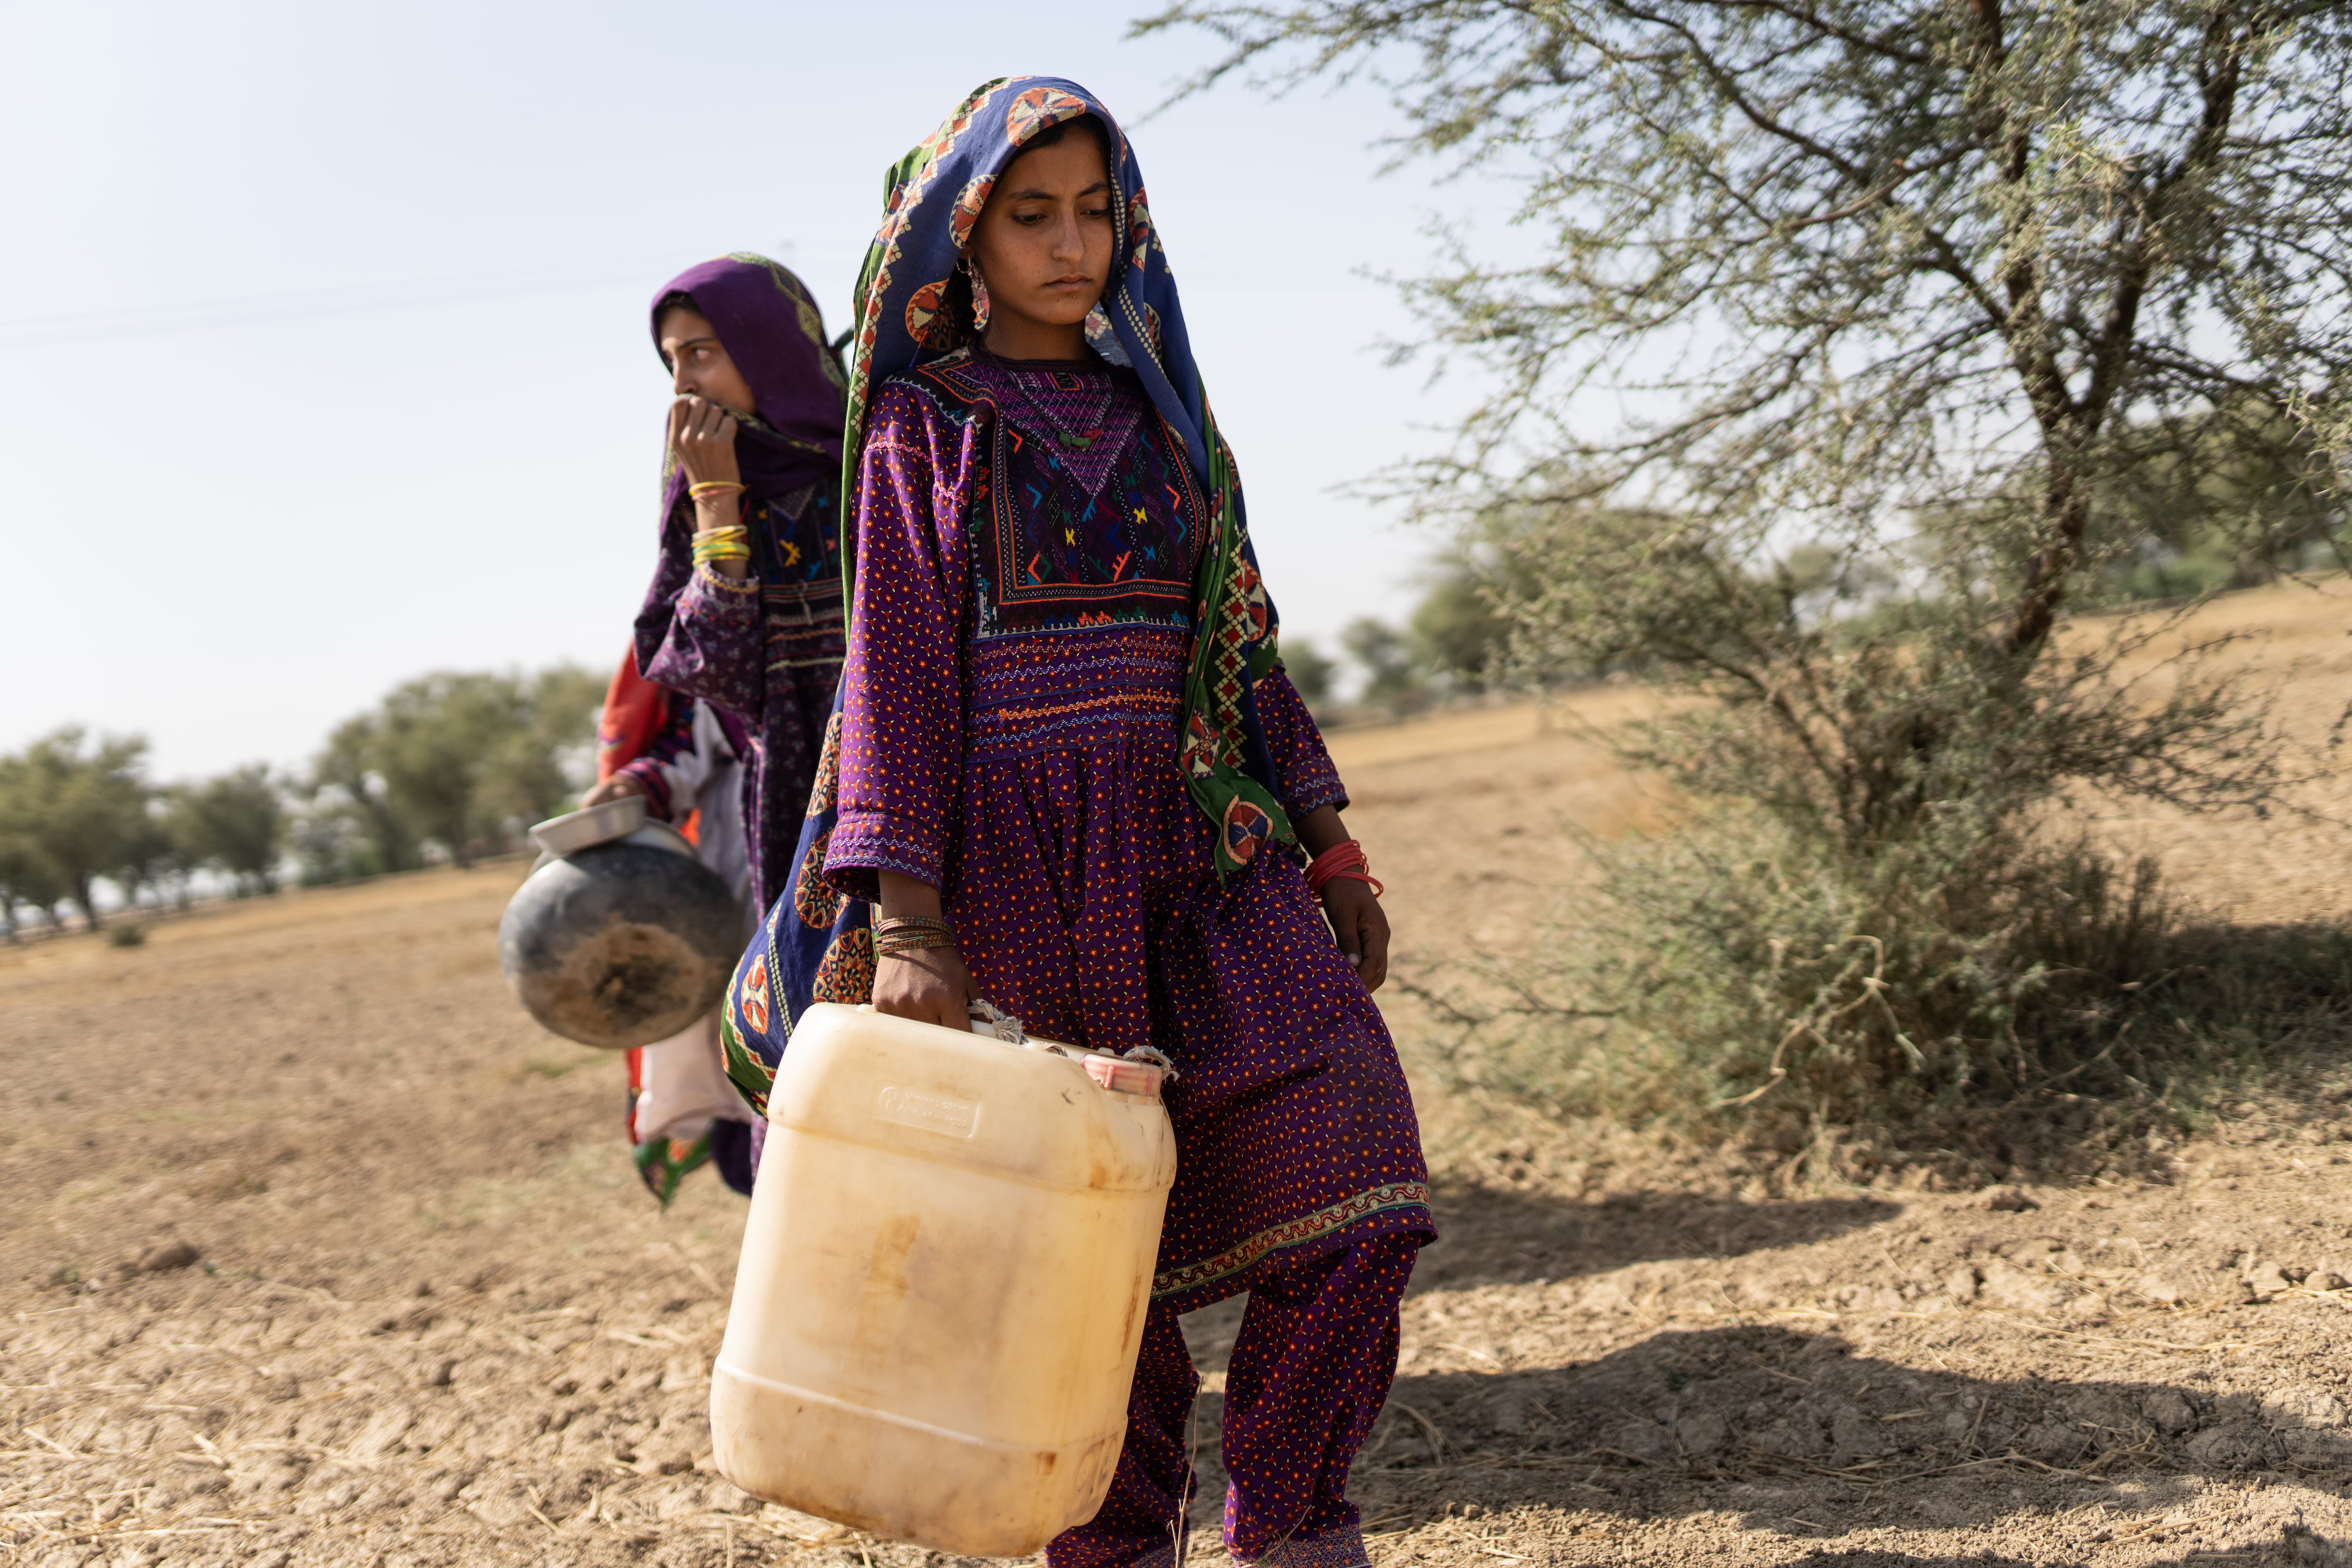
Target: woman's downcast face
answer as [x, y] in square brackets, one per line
[698, 363]
[1043, 244]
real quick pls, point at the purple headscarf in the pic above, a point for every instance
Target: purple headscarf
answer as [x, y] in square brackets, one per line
[772, 329]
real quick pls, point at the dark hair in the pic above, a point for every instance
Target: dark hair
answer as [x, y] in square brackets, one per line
[953, 326]
[1052, 134]
[675, 299]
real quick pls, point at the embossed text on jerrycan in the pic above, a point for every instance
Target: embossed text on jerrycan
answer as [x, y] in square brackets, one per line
[943, 1282]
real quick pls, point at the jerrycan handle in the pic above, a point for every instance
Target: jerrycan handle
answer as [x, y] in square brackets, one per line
[1140, 1071]
[987, 1018]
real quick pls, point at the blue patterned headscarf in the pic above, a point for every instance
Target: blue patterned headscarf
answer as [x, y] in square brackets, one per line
[816, 945]
[933, 196]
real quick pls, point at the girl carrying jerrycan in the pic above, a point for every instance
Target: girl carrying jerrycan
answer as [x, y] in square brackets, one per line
[1066, 774]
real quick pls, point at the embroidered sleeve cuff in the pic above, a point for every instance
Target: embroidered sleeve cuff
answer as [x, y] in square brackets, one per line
[710, 593]
[1314, 792]
[864, 843]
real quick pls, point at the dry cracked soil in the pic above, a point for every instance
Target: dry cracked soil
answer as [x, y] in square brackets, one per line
[316, 1251]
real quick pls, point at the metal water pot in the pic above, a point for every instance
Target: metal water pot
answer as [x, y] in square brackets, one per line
[621, 936]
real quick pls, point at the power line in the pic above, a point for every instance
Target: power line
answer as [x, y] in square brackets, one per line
[288, 305]
[293, 305]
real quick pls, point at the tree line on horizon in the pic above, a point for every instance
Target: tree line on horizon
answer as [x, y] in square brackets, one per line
[450, 766]
[446, 768]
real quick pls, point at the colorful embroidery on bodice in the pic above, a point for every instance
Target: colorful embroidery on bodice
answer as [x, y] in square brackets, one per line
[796, 550]
[797, 538]
[1066, 693]
[1091, 519]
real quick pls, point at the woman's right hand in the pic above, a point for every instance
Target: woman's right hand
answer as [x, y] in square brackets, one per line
[930, 985]
[612, 788]
[702, 434]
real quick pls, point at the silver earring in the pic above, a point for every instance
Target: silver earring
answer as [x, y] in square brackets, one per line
[979, 295]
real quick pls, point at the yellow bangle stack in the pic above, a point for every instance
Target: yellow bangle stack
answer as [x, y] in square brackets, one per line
[713, 486]
[731, 543]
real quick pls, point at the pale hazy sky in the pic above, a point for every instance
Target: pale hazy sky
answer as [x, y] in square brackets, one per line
[322, 327]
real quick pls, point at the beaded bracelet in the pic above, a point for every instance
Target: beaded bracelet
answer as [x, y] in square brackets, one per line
[1344, 860]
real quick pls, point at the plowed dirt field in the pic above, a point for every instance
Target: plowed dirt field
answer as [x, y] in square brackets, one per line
[316, 1251]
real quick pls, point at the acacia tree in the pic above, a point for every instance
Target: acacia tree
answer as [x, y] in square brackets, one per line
[25, 875]
[458, 759]
[73, 812]
[1943, 290]
[234, 822]
[1874, 252]
[351, 826]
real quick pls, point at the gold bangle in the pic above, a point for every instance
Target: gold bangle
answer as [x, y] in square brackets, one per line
[708, 487]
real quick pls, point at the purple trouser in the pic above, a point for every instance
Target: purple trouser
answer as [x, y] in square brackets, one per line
[1310, 1370]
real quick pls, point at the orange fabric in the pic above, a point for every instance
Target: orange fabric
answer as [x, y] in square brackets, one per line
[634, 710]
[634, 713]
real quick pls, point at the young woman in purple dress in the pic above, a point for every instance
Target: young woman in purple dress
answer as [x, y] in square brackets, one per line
[744, 612]
[742, 623]
[1069, 776]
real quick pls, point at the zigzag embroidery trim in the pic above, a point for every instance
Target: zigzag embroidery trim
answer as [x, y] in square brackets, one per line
[1290, 1233]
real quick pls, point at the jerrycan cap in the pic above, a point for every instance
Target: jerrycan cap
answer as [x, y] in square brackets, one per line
[1123, 1076]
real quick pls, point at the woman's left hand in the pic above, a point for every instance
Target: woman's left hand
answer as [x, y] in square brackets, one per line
[1361, 927]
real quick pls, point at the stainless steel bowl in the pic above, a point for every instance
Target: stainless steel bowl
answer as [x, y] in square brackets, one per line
[616, 818]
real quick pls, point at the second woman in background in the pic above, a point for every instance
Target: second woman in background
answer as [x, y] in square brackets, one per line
[743, 621]
[745, 612]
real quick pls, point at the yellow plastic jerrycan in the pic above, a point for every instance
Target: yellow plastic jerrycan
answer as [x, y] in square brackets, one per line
[944, 1281]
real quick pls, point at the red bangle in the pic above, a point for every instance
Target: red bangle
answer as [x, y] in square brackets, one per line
[1347, 860]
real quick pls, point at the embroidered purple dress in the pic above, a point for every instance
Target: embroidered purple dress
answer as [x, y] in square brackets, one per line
[1062, 705]
[1027, 537]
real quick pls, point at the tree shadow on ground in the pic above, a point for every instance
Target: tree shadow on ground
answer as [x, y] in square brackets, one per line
[1490, 1236]
[1796, 1435]
[1908, 1560]
[2288, 1547]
